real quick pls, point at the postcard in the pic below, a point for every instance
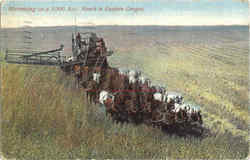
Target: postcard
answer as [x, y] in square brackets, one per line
[124, 79]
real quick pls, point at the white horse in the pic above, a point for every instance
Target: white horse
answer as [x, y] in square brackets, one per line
[158, 96]
[176, 97]
[104, 95]
[148, 81]
[177, 107]
[132, 79]
[123, 71]
[69, 59]
[96, 77]
[141, 79]
[134, 73]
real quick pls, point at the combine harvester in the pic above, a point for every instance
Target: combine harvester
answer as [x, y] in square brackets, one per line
[52, 57]
[126, 95]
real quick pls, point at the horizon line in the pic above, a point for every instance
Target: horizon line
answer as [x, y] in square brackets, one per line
[205, 25]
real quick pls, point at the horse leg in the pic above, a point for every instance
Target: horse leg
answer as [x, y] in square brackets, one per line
[113, 107]
[200, 120]
[77, 83]
[93, 97]
[89, 96]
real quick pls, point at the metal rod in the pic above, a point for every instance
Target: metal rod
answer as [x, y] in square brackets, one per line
[45, 52]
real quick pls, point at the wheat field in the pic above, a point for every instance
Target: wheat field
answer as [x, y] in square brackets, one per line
[43, 115]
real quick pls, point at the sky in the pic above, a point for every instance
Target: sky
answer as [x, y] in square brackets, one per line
[17, 13]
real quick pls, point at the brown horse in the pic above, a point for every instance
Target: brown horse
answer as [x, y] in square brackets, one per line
[199, 118]
[184, 115]
[133, 111]
[151, 91]
[144, 94]
[160, 115]
[146, 111]
[196, 117]
[98, 84]
[146, 107]
[170, 105]
[121, 97]
[91, 90]
[181, 116]
[110, 80]
[134, 97]
[114, 85]
[130, 106]
[157, 117]
[76, 69]
[77, 72]
[106, 81]
[120, 105]
[110, 106]
[85, 71]
[121, 82]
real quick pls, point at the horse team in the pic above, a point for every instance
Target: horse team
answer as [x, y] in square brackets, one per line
[131, 97]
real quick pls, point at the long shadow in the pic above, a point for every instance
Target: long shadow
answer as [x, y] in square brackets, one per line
[196, 131]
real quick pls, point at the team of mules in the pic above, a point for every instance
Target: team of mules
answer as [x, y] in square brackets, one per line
[130, 97]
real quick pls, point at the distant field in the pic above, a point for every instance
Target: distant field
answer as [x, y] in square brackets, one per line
[209, 65]
[210, 68]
